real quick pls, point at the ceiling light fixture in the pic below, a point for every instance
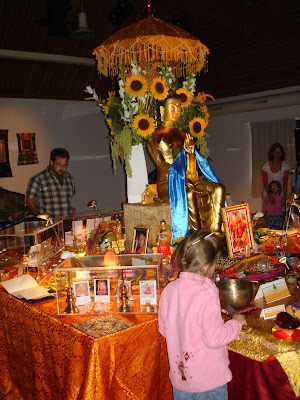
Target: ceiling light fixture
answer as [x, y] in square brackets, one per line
[83, 31]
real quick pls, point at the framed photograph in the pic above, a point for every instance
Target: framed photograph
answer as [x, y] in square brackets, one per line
[102, 290]
[82, 292]
[238, 230]
[148, 292]
[140, 240]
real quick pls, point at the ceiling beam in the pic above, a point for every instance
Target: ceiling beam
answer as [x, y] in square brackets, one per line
[45, 57]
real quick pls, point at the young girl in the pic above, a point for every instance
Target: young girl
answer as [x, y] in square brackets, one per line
[190, 320]
[274, 212]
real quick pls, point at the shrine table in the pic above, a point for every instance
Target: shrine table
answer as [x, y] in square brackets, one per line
[42, 357]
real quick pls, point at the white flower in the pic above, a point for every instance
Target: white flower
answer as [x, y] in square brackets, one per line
[126, 115]
[121, 93]
[121, 90]
[89, 90]
[135, 69]
[95, 97]
[134, 106]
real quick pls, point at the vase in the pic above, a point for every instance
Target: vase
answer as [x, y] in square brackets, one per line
[137, 183]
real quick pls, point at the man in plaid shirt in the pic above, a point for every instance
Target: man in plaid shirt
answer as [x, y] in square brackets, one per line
[51, 190]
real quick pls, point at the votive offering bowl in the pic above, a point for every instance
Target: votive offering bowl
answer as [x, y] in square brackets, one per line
[237, 293]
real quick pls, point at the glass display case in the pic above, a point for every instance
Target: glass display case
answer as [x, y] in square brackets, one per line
[126, 283]
[78, 228]
[29, 245]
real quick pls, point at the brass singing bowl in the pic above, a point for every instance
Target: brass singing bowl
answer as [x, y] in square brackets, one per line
[237, 293]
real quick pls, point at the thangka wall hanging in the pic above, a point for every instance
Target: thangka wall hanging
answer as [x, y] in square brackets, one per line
[5, 170]
[27, 149]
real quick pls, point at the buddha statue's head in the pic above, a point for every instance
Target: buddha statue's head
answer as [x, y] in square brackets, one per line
[171, 111]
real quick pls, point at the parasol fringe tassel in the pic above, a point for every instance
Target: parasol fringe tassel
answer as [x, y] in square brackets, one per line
[109, 62]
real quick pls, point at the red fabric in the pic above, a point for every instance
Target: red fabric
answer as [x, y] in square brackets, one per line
[274, 260]
[285, 178]
[265, 178]
[253, 380]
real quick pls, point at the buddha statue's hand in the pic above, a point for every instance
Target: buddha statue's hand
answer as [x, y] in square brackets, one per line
[189, 144]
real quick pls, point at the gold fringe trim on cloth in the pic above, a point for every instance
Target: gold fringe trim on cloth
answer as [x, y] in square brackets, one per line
[151, 40]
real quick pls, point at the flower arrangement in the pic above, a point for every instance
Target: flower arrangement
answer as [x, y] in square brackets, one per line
[194, 115]
[97, 235]
[132, 117]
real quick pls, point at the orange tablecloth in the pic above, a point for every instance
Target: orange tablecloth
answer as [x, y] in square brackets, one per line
[42, 357]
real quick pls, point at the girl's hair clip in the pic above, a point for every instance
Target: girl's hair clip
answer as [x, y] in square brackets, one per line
[204, 238]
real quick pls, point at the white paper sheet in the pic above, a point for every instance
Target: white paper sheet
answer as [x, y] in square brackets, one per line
[26, 287]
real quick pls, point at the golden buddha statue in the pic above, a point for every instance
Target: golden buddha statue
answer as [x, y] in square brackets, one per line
[165, 144]
[204, 198]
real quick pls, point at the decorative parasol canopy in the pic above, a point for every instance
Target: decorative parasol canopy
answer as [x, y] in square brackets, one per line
[151, 40]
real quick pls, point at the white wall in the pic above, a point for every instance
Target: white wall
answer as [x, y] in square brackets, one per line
[80, 128]
[230, 149]
[77, 126]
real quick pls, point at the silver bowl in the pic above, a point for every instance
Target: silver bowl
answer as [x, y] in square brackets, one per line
[237, 293]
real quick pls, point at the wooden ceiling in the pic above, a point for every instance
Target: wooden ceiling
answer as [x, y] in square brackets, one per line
[254, 44]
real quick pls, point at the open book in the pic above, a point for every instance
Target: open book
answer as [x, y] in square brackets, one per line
[26, 287]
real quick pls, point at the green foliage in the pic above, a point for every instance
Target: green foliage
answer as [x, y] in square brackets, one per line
[257, 233]
[201, 144]
[121, 145]
[187, 114]
[115, 114]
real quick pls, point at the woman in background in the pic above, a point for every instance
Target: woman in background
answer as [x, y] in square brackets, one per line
[276, 169]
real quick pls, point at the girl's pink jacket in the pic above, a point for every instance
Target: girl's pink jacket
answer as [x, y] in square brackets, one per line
[197, 337]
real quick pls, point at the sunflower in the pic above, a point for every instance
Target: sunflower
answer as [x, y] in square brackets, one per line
[144, 125]
[197, 126]
[106, 106]
[109, 123]
[185, 97]
[136, 86]
[159, 88]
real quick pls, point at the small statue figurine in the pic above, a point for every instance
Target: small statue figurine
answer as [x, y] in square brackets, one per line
[147, 196]
[163, 240]
[119, 235]
[124, 306]
[71, 306]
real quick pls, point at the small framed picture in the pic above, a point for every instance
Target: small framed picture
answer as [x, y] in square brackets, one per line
[82, 292]
[148, 292]
[102, 290]
[238, 230]
[140, 240]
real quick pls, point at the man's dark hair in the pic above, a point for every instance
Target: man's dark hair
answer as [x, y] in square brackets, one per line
[59, 152]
